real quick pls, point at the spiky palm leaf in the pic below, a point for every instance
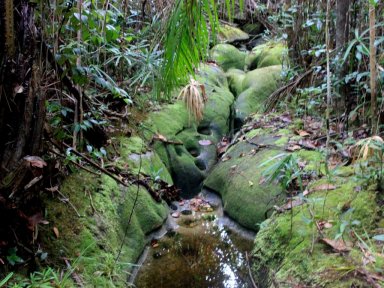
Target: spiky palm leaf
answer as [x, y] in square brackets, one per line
[187, 37]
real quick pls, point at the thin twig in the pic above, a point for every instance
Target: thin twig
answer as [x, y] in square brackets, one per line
[250, 271]
[133, 207]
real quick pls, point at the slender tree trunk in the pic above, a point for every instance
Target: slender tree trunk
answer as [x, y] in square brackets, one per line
[342, 33]
[372, 65]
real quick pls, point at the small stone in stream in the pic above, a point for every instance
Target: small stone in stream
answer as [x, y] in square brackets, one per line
[205, 142]
[205, 208]
[175, 214]
[186, 212]
[173, 207]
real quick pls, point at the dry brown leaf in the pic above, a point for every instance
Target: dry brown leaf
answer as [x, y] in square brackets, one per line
[56, 231]
[323, 187]
[303, 133]
[338, 245]
[293, 148]
[160, 137]
[35, 161]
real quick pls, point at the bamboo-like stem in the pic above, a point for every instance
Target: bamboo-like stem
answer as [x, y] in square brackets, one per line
[329, 89]
[9, 28]
[372, 65]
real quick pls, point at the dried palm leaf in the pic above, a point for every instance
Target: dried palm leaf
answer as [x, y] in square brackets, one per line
[194, 99]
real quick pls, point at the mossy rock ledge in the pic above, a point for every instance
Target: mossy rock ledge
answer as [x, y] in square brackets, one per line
[238, 175]
[288, 250]
[92, 239]
[257, 85]
[190, 162]
[230, 34]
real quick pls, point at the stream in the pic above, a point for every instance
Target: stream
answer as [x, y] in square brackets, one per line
[200, 248]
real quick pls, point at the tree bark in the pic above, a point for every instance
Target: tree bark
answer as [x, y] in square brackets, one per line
[22, 105]
[342, 22]
[342, 38]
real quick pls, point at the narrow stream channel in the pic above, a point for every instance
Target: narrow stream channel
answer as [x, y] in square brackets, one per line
[200, 249]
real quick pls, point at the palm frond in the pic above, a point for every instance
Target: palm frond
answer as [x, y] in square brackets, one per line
[191, 25]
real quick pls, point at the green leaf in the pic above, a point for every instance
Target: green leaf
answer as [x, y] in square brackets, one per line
[6, 279]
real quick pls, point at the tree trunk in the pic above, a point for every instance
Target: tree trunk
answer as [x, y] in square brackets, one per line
[22, 108]
[342, 38]
[342, 22]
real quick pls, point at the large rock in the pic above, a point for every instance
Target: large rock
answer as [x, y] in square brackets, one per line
[94, 238]
[228, 56]
[288, 250]
[190, 162]
[257, 86]
[265, 55]
[235, 81]
[237, 179]
[230, 34]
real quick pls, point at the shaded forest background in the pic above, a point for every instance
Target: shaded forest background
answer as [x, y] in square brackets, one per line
[73, 73]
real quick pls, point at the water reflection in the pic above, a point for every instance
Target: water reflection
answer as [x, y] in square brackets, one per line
[206, 254]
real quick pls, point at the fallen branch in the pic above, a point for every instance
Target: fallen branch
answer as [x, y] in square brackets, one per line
[92, 163]
[276, 96]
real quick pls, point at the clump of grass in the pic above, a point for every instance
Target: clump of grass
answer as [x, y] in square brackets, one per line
[194, 99]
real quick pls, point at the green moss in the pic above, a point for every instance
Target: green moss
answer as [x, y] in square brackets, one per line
[173, 122]
[268, 54]
[135, 157]
[235, 81]
[258, 85]
[228, 56]
[230, 34]
[211, 76]
[237, 181]
[253, 28]
[287, 244]
[96, 236]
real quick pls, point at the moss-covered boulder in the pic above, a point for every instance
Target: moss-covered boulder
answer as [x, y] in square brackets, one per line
[253, 28]
[188, 160]
[265, 55]
[288, 248]
[257, 86]
[228, 56]
[235, 81]
[91, 226]
[230, 34]
[237, 179]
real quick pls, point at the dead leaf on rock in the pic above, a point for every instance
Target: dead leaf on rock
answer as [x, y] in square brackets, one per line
[308, 144]
[338, 245]
[303, 133]
[289, 205]
[323, 187]
[293, 148]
